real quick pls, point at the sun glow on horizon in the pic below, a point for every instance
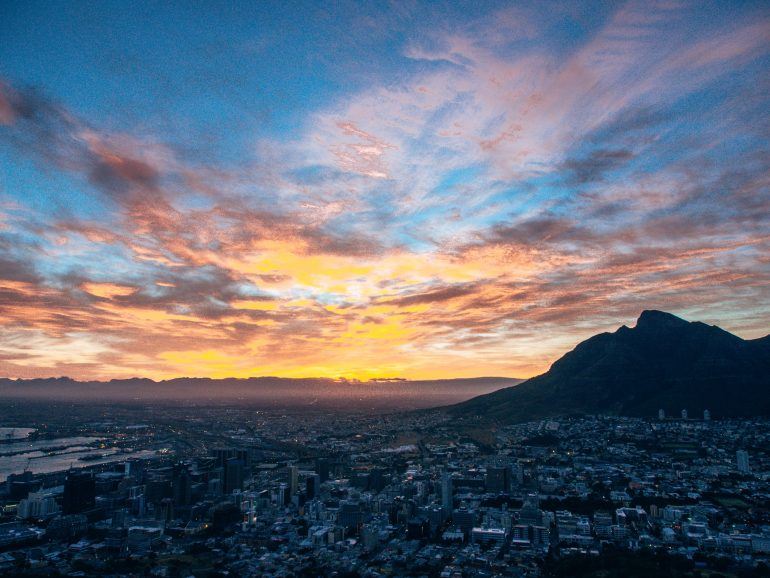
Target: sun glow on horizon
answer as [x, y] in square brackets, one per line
[446, 191]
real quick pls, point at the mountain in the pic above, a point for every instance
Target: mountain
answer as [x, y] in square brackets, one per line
[664, 363]
[273, 392]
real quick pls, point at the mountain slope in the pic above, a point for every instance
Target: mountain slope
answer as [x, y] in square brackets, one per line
[664, 362]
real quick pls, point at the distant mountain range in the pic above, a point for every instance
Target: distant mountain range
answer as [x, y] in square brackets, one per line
[664, 363]
[385, 394]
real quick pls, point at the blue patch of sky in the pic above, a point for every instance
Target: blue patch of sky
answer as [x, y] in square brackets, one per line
[47, 190]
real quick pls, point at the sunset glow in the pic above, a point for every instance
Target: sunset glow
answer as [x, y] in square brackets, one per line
[336, 190]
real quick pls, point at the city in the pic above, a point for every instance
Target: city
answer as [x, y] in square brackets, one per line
[246, 492]
[385, 289]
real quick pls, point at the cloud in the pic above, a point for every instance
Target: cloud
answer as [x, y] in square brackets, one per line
[594, 167]
[503, 189]
[433, 296]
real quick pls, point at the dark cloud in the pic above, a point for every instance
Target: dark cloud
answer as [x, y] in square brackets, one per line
[538, 232]
[593, 167]
[41, 126]
[433, 296]
[15, 270]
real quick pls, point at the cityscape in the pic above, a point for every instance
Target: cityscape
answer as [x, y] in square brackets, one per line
[385, 289]
[243, 492]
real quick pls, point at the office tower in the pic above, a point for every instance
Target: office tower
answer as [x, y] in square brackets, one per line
[350, 515]
[234, 464]
[166, 510]
[222, 455]
[284, 497]
[530, 512]
[360, 480]
[292, 479]
[661, 414]
[446, 492]
[541, 536]
[464, 519]
[182, 487]
[138, 505]
[706, 415]
[498, 479]
[134, 468]
[322, 467]
[79, 493]
[742, 461]
[417, 529]
[377, 479]
[684, 414]
[233, 475]
[313, 486]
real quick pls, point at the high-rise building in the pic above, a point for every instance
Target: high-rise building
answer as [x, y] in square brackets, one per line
[464, 519]
[530, 512]
[292, 479]
[37, 505]
[377, 479]
[498, 479]
[233, 475]
[313, 486]
[322, 467]
[283, 495]
[350, 515]
[742, 461]
[79, 493]
[541, 536]
[234, 464]
[446, 492]
[417, 529]
[684, 414]
[661, 414]
[706, 415]
[182, 487]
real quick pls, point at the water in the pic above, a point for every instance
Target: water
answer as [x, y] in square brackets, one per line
[55, 455]
[15, 433]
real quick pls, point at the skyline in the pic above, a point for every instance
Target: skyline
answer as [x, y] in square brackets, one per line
[419, 192]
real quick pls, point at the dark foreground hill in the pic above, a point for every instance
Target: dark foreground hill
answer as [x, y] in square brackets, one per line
[663, 363]
[265, 392]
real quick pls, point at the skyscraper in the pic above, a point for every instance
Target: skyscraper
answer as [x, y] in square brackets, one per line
[498, 479]
[322, 467]
[79, 493]
[233, 475]
[446, 491]
[181, 487]
[234, 464]
[313, 486]
[292, 476]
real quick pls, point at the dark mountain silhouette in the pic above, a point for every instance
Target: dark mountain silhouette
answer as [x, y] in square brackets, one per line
[663, 363]
[258, 391]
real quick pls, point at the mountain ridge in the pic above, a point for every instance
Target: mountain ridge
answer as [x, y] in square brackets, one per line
[664, 362]
[264, 391]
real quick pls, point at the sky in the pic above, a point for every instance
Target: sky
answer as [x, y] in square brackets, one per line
[372, 189]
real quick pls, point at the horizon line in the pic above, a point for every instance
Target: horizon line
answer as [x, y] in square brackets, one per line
[337, 379]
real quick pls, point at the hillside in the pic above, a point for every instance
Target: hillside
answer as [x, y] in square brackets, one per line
[664, 362]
